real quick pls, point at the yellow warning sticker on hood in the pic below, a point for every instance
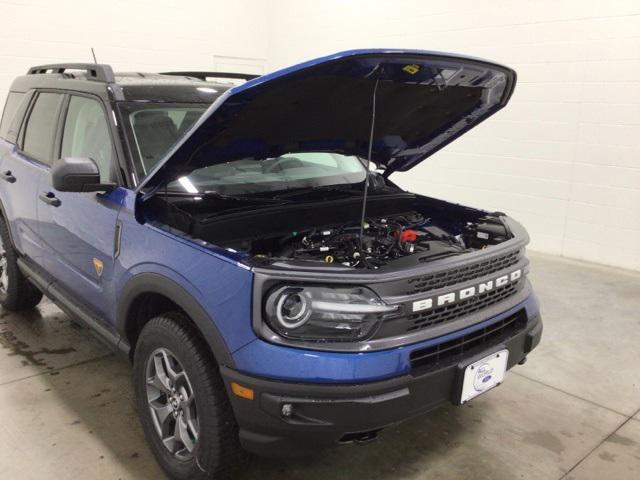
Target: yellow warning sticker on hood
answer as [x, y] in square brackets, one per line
[411, 69]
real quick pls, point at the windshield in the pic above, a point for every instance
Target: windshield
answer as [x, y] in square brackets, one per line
[154, 128]
[287, 172]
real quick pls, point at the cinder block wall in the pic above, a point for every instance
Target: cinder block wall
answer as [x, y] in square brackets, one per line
[564, 157]
[131, 35]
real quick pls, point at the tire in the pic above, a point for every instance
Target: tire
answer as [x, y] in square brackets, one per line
[16, 292]
[170, 340]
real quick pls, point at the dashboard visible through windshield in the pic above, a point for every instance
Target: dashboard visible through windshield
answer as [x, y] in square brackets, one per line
[154, 128]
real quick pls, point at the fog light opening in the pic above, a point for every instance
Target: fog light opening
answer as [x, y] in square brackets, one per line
[287, 410]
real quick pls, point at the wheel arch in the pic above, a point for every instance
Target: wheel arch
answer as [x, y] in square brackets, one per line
[5, 219]
[161, 294]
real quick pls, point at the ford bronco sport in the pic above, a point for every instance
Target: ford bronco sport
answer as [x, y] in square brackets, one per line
[244, 245]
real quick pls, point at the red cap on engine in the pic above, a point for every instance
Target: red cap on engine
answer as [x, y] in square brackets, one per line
[407, 236]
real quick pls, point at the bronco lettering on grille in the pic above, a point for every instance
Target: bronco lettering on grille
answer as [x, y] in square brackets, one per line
[465, 293]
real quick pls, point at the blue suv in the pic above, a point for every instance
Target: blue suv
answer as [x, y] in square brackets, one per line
[244, 245]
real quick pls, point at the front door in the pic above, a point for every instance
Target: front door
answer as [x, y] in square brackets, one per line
[79, 228]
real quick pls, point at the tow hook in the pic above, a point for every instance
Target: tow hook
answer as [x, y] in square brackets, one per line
[366, 438]
[361, 438]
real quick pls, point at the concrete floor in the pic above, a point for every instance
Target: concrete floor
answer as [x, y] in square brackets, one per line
[571, 412]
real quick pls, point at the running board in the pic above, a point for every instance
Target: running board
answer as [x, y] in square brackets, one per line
[63, 300]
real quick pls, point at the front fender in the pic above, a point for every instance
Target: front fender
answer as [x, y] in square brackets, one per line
[143, 283]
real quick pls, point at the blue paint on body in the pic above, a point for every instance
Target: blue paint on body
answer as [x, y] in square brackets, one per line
[65, 240]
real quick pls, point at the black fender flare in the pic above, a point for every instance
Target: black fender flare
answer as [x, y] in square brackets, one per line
[154, 283]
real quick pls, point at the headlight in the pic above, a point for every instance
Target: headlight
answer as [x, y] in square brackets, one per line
[340, 314]
[293, 310]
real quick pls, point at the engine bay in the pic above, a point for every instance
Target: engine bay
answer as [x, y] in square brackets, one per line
[385, 239]
[382, 239]
[397, 227]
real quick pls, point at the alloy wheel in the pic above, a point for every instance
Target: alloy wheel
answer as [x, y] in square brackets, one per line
[172, 404]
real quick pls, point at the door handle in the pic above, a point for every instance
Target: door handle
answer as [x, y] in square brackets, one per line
[50, 199]
[8, 176]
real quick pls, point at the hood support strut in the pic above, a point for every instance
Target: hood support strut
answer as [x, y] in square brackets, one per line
[368, 173]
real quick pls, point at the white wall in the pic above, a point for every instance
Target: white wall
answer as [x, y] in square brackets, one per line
[132, 35]
[564, 156]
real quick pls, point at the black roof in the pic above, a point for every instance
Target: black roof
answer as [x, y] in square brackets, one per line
[176, 87]
[166, 88]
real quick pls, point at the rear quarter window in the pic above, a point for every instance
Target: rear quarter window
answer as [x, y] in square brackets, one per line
[10, 108]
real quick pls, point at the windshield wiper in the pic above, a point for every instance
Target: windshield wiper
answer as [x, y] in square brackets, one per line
[319, 188]
[242, 198]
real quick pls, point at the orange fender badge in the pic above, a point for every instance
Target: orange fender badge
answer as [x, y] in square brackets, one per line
[99, 266]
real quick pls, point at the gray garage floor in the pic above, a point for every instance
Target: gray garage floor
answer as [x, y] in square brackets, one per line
[571, 412]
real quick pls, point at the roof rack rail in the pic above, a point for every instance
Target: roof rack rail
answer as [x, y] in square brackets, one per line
[95, 71]
[205, 75]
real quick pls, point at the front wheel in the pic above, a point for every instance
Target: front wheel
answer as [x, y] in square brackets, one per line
[182, 402]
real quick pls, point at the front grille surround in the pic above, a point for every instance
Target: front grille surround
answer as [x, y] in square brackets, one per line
[488, 268]
[463, 273]
[447, 313]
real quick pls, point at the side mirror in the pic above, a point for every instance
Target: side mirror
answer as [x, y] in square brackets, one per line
[77, 175]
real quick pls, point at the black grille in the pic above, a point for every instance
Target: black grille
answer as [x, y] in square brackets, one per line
[461, 274]
[451, 352]
[418, 321]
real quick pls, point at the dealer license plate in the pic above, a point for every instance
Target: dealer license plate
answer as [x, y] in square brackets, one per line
[483, 375]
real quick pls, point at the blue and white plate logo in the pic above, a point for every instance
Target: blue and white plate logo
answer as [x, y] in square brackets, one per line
[484, 374]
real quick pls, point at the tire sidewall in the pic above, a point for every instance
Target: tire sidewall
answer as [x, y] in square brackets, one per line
[196, 467]
[9, 297]
[21, 294]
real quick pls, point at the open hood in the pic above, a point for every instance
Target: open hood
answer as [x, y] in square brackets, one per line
[424, 100]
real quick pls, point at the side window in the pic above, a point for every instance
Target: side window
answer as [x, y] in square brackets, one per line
[86, 134]
[10, 107]
[41, 126]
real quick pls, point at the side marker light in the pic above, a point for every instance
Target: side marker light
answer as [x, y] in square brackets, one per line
[242, 392]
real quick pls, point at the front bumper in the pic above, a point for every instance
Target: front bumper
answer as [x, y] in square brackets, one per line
[325, 414]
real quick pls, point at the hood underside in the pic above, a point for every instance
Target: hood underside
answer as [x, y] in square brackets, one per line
[424, 100]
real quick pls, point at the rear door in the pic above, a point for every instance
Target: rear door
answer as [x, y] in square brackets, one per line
[23, 166]
[79, 228]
